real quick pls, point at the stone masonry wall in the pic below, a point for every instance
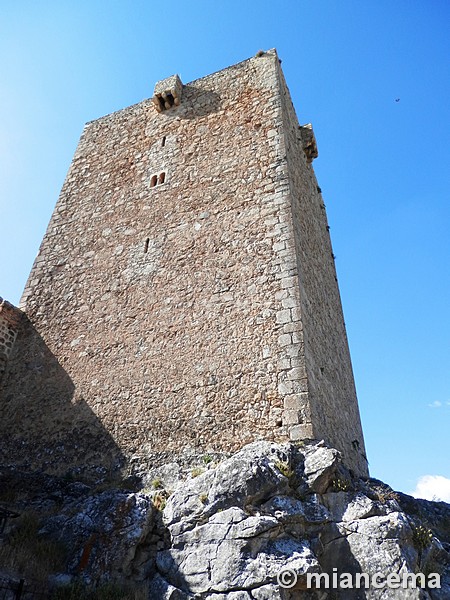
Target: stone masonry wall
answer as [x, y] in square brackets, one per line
[10, 319]
[164, 307]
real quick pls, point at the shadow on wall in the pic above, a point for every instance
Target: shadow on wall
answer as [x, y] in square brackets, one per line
[197, 102]
[42, 426]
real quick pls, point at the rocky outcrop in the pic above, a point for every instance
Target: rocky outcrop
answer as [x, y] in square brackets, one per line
[273, 514]
[269, 523]
[113, 535]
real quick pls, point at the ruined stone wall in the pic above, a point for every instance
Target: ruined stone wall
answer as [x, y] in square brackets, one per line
[10, 319]
[164, 308]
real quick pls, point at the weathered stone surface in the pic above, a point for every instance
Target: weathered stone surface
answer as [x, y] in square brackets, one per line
[434, 513]
[267, 592]
[230, 531]
[105, 534]
[290, 510]
[321, 465]
[309, 142]
[228, 537]
[230, 596]
[349, 506]
[10, 319]
[161, 589]
[436, 559]
[255, 477]
[167, 93]
[232, 563]
[164, 308]
[239, 541]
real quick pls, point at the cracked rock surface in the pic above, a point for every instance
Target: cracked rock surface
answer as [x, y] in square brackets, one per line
[277, 507]
[229, 532]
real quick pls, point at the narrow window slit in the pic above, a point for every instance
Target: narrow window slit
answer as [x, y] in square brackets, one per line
[154, 181]
[162, 177]
[147, 242]
[163, 142]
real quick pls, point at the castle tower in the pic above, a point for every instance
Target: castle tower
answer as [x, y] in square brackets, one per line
[185, 293]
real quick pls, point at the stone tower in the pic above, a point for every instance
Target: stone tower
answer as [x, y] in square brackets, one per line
[184, 297]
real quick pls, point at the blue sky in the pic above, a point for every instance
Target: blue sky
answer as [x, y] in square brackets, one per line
[383, 164]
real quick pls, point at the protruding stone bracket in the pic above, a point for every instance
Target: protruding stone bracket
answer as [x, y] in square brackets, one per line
[308, 142]
[167, 93]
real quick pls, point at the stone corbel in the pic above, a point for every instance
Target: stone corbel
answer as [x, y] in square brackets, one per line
[167, 93]
[309, 143]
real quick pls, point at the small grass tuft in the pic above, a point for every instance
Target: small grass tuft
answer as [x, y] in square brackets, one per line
[284, 469]
[383, 495]
[196, 471]
[340, 485]
[299, 443]
[159, 501]
[422, 537]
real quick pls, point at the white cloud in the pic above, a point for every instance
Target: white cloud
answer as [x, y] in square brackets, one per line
[433, 487]
[436, 404]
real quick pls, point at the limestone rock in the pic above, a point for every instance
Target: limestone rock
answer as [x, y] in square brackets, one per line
[161, 589]
[348, 506]
[290, 510]
[321, 465]
[230, 532]
[105, 534]
[267, 592]
[234, 529]
[254, 477]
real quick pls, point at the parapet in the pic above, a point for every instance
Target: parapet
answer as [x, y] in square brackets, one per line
[167, 93]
